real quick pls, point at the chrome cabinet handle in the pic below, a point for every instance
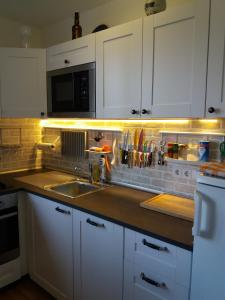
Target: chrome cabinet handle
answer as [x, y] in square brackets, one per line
[62, 211]
[93, 223]
[153, 246]
[152, 282]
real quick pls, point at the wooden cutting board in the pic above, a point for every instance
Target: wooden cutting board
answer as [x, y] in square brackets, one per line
[171, 205]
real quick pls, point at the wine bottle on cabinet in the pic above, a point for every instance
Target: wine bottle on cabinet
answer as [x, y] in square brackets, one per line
[76, 29]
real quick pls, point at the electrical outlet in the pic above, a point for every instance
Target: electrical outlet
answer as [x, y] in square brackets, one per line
[187, 173]
[177, 172]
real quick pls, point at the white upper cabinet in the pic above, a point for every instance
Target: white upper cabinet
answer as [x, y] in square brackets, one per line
[118, 71]
[175, 45]
[215, 100]
[23, 82]
[72, 53]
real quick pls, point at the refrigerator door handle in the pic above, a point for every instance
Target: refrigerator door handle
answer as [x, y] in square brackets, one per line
[198, 214]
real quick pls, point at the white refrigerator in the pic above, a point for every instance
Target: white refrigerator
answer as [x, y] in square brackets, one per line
[208, 270]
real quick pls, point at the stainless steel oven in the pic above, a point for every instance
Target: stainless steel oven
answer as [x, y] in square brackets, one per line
[9, 228]
[71, 92]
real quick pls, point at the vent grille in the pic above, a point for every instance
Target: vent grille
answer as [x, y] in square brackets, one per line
[74, 144]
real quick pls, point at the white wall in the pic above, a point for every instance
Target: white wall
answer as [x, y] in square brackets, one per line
[10, 34]
[112, 13]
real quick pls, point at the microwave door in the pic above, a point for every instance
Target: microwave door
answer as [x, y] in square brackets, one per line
[81, 91]
[62, 87]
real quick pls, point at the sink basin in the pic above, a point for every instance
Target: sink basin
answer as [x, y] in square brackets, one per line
[75, 189]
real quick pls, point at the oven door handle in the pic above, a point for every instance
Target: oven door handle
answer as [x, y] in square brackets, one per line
[8, 215]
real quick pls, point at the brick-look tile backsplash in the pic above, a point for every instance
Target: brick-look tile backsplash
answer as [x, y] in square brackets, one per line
[28, 133]
[22, 132]
[162, 178]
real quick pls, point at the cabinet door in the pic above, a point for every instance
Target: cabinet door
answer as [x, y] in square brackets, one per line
[175, 44]
[23, 82]
[50, 251]
[99, 264]
[215, 101]
[118, 71]
[155, 270]
[72, 53]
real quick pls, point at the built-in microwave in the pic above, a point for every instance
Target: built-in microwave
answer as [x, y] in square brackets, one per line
[71, 92]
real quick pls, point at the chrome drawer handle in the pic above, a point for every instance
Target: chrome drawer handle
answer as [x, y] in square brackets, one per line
[89, 221]
[62, 211]
[152, 282]
[152, 246]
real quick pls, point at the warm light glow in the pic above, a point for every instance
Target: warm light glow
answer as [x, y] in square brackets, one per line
[80, 124]
[112, 125]
[209, 121]
[174, 121]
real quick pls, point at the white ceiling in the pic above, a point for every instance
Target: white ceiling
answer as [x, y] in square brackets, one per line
[44, 12]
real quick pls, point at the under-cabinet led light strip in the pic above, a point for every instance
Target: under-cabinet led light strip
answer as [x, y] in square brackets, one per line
[112, 125]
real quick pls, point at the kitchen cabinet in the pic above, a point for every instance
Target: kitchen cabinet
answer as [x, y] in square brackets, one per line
[98, 258]
[118, 71]
[72, 53]
[23, 82]
[215, 100]
[175, 44]
[50, 246]
[154, 269]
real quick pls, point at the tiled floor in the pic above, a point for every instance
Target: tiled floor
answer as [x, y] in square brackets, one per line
[25, 289]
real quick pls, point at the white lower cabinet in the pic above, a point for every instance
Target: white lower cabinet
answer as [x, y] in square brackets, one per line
[78, 256]
[50, 246]
[98, 249]
[155, 270]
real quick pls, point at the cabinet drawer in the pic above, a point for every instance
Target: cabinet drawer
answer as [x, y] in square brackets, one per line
[164, 258]
[71, 53]
[143, 283]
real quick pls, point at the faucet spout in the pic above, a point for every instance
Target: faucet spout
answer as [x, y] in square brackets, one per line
[91, 180]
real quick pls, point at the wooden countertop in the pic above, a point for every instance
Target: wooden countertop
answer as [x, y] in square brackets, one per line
[115, 203]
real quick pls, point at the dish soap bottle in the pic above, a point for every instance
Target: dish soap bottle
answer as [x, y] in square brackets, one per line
[76, 29]
[102, 168]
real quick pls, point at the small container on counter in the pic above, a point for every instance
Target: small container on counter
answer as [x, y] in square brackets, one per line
[183, 151]
[170, 150]
[175, 150]
[203, 151]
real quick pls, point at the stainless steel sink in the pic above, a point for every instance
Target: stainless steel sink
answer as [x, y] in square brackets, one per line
[75, 188]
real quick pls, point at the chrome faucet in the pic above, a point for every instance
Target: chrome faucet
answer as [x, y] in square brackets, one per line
[90, 167]
[82, 173]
